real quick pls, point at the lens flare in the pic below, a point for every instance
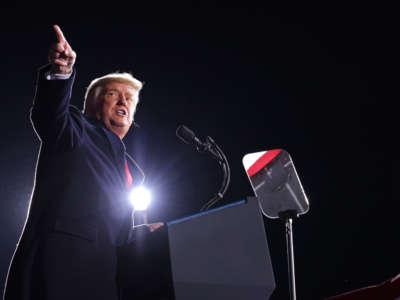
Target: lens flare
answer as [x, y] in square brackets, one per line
[140, 198]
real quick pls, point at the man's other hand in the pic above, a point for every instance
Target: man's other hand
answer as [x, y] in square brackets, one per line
[61, 56]
[154, 226]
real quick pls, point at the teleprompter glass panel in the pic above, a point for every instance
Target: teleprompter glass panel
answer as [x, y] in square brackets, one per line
[275, 182]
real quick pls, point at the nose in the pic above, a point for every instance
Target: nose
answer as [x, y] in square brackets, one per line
[122, 100]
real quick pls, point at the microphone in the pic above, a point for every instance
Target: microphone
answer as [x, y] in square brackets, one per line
[188, 137]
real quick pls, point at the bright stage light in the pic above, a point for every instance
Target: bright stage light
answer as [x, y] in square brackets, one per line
[140, 198]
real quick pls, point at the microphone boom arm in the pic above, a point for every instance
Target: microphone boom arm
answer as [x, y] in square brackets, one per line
[217, 152]
[211, 147]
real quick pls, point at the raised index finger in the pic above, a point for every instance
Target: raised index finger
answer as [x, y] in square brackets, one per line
[59, 34]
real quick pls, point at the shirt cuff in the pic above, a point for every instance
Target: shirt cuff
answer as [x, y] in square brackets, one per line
[52, 76]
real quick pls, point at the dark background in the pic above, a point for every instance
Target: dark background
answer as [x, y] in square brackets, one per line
[306, 78]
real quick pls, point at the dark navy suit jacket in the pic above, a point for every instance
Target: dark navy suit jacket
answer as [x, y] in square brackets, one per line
[79, 212]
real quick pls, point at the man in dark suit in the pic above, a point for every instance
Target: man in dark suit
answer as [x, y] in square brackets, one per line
[79, 212]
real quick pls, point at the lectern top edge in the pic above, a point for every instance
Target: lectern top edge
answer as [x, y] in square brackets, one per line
[206, 212]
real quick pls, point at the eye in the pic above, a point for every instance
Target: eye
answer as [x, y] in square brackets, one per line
[111, 94]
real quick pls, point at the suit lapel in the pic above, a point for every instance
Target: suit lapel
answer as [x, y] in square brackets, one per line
[119, 154]
[118, 151]
[136, 171]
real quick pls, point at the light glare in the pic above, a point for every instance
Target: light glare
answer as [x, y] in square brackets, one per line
[140, 198]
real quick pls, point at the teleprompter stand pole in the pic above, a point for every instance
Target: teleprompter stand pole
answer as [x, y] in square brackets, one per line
[287, 217]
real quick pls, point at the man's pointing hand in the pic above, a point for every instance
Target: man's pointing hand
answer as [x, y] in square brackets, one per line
[61, 55]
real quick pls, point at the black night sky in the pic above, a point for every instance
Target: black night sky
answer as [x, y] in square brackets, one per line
[304, 78]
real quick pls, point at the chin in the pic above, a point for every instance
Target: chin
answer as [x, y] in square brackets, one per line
[119, 123]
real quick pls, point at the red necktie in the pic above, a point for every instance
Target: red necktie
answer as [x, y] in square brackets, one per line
[128, 175]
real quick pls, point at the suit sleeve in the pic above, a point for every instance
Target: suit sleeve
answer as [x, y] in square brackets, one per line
[56, 122]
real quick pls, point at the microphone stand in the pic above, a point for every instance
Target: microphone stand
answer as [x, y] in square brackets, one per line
[218, 154]
[287, 217]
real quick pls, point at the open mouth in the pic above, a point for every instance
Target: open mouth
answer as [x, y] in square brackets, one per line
[121, 112]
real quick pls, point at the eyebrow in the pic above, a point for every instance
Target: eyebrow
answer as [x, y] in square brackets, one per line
[108, 90]
[117, 90]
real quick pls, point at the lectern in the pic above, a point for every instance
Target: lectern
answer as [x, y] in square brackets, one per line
[215, 255]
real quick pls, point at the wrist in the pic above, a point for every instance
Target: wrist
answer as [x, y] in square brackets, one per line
[52, 76]
[61, 70]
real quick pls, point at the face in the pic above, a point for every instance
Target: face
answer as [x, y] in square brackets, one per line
[117, 107]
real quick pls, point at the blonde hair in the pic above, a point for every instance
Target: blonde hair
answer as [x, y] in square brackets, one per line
[96, 86]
